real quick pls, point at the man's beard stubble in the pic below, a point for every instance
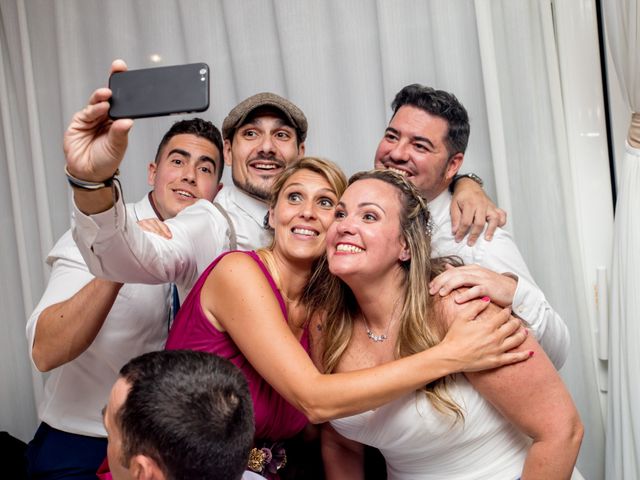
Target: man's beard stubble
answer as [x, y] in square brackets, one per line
[254, 190]
[258, 191]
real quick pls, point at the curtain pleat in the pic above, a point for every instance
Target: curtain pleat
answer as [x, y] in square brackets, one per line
[622, 20]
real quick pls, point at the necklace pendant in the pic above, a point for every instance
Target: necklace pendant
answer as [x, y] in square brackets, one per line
[376, 338]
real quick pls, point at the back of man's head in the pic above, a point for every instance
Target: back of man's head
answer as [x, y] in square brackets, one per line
[440, 104]
[190, 412]
[193, 126]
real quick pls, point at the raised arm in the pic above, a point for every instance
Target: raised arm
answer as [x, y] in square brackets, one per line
[471, 209]
[532, 396]
[117, 248]
[94, 147]
[111, 242]
[237, 298]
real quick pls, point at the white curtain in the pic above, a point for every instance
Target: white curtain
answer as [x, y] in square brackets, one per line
[341, 62]
[623, 419]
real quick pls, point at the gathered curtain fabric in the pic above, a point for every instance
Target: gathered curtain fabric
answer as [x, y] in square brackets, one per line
[622, 19]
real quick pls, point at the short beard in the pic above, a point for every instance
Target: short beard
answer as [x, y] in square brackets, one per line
[253, 190]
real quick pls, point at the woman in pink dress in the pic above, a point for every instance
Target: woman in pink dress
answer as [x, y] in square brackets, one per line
[247, 307]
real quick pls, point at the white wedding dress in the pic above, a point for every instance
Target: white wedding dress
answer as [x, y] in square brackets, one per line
[420, 443]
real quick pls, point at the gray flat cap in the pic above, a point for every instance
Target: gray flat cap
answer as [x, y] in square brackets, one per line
[240, 112]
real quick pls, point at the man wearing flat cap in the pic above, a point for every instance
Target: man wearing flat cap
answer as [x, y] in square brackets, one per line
[261, 135]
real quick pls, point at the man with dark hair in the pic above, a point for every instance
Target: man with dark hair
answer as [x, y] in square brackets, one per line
[262, 134]
[85, 328]
[425, 141]
[179, 414]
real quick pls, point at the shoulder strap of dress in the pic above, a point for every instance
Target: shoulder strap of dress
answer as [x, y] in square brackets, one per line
[233, 241]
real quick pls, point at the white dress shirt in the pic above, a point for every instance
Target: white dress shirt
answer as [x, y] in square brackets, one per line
[76, 392]
[115, 247]
[502, 255]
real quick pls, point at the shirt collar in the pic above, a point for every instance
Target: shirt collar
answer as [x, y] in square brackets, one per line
[255, 208]
[439, 207]
[144, 208]
[153, 205]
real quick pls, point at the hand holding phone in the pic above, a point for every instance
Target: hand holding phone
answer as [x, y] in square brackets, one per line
[153, 92]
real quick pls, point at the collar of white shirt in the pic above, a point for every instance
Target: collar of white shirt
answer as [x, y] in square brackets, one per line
[254, 208]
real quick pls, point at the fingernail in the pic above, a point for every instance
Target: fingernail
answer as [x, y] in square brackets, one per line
[531, 352]
[485, 299]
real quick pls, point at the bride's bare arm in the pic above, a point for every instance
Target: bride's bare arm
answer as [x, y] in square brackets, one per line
[532, 396]
[239, 298]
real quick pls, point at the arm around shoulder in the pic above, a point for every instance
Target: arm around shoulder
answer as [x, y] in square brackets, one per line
[238, 297]
[117, 248]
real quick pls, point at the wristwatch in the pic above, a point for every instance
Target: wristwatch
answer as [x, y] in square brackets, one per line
[471, 176]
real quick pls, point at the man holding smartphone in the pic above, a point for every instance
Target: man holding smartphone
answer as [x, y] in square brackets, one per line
[262, 135]
[84, 328]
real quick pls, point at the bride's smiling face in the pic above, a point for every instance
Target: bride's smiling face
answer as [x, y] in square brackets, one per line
[365, 238]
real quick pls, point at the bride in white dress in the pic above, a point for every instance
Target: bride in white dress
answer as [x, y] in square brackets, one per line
[513, 422]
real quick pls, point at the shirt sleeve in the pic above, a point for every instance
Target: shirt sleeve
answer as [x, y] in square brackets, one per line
[69, 274]
[116, 248]
[529, 303]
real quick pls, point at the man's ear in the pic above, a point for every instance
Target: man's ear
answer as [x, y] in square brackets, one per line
[228, 157]
[301, 150]
[151, 173]
[142, 467]
[454, 165]
[270, 213]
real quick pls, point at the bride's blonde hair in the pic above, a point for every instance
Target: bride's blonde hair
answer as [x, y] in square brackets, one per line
[419, 327]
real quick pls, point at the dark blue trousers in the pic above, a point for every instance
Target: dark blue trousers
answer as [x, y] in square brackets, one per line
[54, 454]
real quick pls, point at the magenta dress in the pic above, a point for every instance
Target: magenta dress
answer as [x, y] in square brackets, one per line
[275, 418]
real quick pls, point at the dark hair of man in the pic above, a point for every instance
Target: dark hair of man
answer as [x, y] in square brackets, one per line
[440, 104]
[199, 128]
[189, 411]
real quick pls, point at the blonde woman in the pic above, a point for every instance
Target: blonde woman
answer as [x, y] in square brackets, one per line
[517, 421]
[247, 307]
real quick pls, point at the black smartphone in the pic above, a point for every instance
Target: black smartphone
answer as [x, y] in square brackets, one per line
[153, 92]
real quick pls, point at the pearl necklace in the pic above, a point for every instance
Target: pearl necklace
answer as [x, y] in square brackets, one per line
[372, 336]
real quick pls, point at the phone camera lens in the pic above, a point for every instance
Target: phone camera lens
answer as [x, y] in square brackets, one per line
[203, 71]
